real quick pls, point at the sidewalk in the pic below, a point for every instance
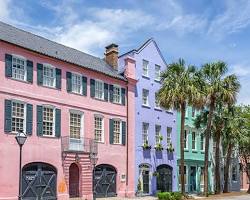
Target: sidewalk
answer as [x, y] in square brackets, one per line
[223, 196]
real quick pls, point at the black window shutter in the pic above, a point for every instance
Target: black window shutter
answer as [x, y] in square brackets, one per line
[58, 78]
[39, 120]
[124, 132]
[111, 90]
[7, 116]
[92, 87]
[29, 119]
[123, 96]
[8, 65]
[111, 131]
[69, 81]
[39, 74]
[84, 85]
[106, 92]
[58, 123]
[29, 71]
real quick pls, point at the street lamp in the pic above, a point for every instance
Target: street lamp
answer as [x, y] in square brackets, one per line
[20, 138]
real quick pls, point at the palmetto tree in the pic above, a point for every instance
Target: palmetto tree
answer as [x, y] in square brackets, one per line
[178, 90]
[216, 86]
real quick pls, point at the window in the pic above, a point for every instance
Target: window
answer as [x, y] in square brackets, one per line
[145, 68]
[145, 132]
[234, 173]
[193, 141]
[185, 139]
[157, 134]
[18, 116]
[186, 113]
[99, 89]
[193, 112]
[185, 174]
[117, 94]
[202, 142]
[19, 68]
[157, 72]
[117, 132]
[75, 125]
[169, 135]
[76, 83]
[145, 94]
[49, 76]
[48, 121]
[157, 104]
[99, 129]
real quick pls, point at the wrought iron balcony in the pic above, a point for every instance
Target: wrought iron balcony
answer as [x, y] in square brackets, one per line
[81, 145]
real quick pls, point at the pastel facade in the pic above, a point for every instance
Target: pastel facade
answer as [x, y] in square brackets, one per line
[64, 100]
[154, 170]
[244, 180]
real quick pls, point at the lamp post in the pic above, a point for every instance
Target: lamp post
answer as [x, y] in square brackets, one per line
[20, 138]
[93, 159]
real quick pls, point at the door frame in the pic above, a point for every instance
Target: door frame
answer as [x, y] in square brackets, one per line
[145, 167]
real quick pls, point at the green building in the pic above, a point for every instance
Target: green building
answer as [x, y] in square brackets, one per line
[194, 152]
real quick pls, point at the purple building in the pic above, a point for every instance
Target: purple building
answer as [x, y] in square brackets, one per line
[155, 155]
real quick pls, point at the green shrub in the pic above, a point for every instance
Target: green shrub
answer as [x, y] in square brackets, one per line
[169, 196]
[177, 195]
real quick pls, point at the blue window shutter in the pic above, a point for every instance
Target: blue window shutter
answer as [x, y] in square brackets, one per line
[106, 92]
[124, 127]
[29, 119]
[84, 86]
[69, 81]
[7, 116]
[92, 87]
[39, 120]
[111, 90]
[8, 65]
[58, 78]
[58, 123]
[123, 96]
[29, 71]
[111, 131]
[39, 74]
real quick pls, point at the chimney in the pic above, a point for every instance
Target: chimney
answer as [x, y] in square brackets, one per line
[111, 55]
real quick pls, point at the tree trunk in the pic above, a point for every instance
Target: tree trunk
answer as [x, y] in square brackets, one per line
[226, 170]
[217, 176]
[247, 171]
[183, 111]
[208, 133]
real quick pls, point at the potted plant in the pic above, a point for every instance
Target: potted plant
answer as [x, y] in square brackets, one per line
[155, 173]
[158, 147]
[170, 148]
[146, 146]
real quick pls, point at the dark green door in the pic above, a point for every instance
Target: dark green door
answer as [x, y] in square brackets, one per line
[145, 179]
[164, 178]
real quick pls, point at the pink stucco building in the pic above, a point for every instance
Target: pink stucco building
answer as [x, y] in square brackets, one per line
[64, 100]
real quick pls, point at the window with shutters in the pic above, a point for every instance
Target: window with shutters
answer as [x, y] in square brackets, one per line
[193, 141]
[75, 125]
[157, 72]
[169, 135]
[117, 132]
[99, 89]
[145, 68]
[157, 134]
[49, 76]
[48, 121]
[145, 100]
[99, 129]
[19, 68]
[117, 94]
[145, 127]
[202, 143]
[18, 116]
[185, 139]
[76, 83]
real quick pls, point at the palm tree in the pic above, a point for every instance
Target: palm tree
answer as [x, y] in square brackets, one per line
[178, 90]
[216, 86]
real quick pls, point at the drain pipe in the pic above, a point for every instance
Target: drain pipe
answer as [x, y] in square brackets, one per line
[127, 148]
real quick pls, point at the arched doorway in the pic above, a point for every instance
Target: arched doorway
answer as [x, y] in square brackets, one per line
[144, 177]
[74, 180]
[38, 181]
[164, 178]
[104, 181]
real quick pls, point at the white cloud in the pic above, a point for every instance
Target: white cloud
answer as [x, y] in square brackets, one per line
[4, 10]
[240, 69]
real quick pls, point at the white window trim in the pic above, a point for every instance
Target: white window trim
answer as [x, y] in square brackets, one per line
[147, 105]
[54, 120]
[159, 141]
[202, 150]
[141, 169]
[159, 78]
[118, 86]
[195, 144]
[54, 73]
[143, 130]
[103, 126]
[81, 87]
[25, 115]
[82, 122]
[98, 80]
[25, 66]
[120, 138]
[145, 75]
[186, 139]
[170, 134]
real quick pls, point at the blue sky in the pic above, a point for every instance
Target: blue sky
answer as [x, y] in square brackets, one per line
[198, 31]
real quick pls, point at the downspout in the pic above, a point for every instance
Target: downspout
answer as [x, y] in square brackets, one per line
[127, 148]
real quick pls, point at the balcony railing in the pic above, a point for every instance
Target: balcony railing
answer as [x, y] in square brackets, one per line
[81, 145]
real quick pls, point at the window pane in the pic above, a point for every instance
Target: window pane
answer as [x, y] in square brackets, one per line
[193, 140]
[145, 68]
[185, 139]
[145, 94]
[117, 94]
[99, 89]
[18, 68]
[145, 132]
[157, 134]
[17, 116]
[48, 121]
[48, 76]
[169, 135]
[157, 72]
[99, 129]
[75, 125]
[76, 83]
[117, 132]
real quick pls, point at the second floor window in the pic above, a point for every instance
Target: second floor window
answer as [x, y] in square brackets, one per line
[145, 132]
[145, 94]
[145, 68]
[48, 121]
[76, 83]
[157, 134]
[99, 129]
[117, 132]
[99, 89]
[169, 135]
[117, 94]
[49, 76]
[202, 142]
[193, 140]
[157, 104]
[185, 139]
[157, 73]
[18, 117]
[75, 125]
[19, 68]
